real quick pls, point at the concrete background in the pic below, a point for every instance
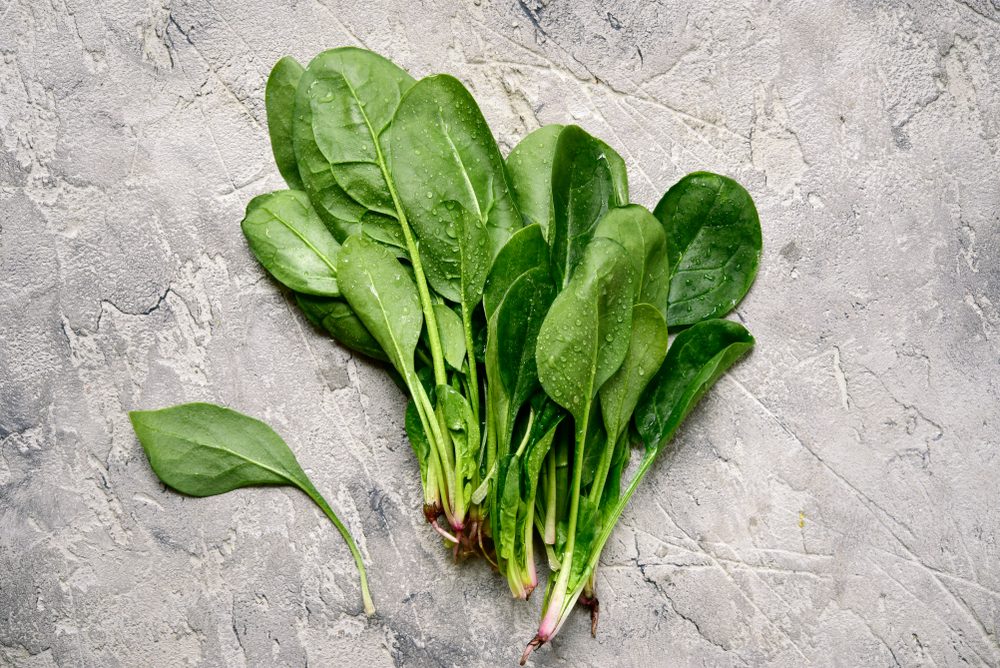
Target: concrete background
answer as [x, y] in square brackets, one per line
[833, 502]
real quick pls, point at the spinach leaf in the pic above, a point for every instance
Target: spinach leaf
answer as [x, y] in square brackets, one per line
[525, 250]
[646, 350]
[452, 335]
[291, 242]
[530, 169]
[341, 212]
[643, 238]
[202, 450]
[585, 184]
[696, 359]
[353, 96]
[585, 335]
[452, 184]
[713, 245]
[338, 318]
[279, 103]
[382, 294]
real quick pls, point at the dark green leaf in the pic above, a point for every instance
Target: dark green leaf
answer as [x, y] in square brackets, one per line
[339, 320]
[713, 242]
[646, 350]
[452, 183]
[584, 187]
[585, 335]
[525, 250]
[642, 235]
[452, 335]
[696, 359]
[530, 169]
[279, 102]
[384, 297]
[292, 243]
[341, 212]
[518, 321]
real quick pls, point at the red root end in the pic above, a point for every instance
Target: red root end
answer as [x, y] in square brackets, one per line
[535, 643]
[431, 512]
[594, 605]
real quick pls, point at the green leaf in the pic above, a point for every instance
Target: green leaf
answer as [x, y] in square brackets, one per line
[340, 211]
[418, 441]
[646, 350]
[642, 235]
[696, 359]
[202, 450]
[384, 297]
[530, 169]
[339, 320]
[584, 186]
[585, 335]
[452, 335]
[525, 250]
[452, 183]
[713, 244]
[353, 97]
[279, 102]
[292, 243]
[518, 321]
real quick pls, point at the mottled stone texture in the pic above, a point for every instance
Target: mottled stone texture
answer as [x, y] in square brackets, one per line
[833, 502]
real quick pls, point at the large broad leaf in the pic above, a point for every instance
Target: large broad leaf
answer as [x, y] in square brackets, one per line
[354, 95]
[585, 184]
[713, 242]
[339, 209]
[530, 168]
[646, 350]
[696, 359]
[518, 321]
[585, 335]
[292, 243]
[452, 183]
[525, 250]
[642, 235]
[384, 297]
[202, 450]
[338, 318]
[279, 102]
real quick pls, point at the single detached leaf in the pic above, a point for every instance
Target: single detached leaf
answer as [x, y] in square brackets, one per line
[530, 169]
[696, 359]
[585, 335]
[452, 183]
[713, 244]
[642, 235]
[202, 450]
[279, 102]
[342, 323]
[646, 350]
[292, 243]
[583, 189]
[384, 297]
[525, 250]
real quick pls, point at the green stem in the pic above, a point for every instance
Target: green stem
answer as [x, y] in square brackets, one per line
[550, 502]
[601, 474]
[318, 499]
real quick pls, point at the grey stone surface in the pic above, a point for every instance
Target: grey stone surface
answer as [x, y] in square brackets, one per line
[833, 502]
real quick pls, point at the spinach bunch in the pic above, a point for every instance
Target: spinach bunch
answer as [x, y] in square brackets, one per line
[523, 305]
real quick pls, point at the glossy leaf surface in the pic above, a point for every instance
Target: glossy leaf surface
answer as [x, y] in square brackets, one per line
[291, 242]
[713, 244]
